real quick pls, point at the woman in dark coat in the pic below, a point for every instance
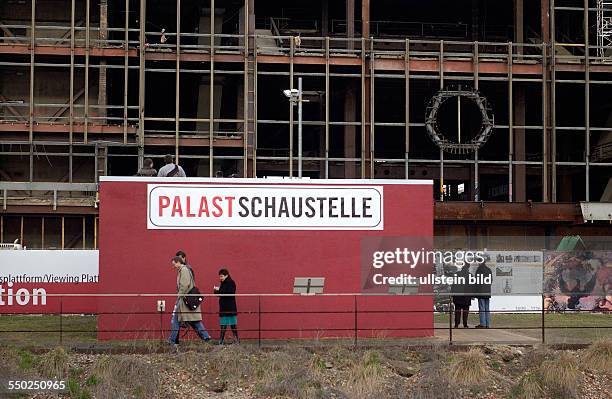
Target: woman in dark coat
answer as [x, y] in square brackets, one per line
[227, 305]
[462, 298]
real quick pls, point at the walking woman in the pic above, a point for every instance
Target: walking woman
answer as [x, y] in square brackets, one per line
[227, 305]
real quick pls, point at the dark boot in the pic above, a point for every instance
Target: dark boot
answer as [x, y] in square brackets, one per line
[222, 336]
[466, 312]
[235, 332]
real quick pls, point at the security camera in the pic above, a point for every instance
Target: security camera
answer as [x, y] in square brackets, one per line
[291, 93]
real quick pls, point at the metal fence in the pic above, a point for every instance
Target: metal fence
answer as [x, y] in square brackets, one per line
[261, 319]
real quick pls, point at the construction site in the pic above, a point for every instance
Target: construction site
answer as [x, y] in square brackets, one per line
[502, 104]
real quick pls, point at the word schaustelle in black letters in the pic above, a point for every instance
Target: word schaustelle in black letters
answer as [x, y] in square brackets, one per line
[266, 207]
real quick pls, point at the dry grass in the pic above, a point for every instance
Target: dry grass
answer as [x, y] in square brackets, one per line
[435, 353]
[560, 375]
[469, 368]
[9, 364]
[229, 362]
[281, 374]
[529, 387]
[434, 382]
[341, 356]
[535, 357]
[53, 364]
[598, 356]
[126, 376]
[317, 365]
[366, 379]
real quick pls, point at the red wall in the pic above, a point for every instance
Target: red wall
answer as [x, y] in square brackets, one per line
[136, 260]
[67, 298]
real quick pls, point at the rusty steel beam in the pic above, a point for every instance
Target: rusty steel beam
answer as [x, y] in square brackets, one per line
[47, 209]
[365, 18]
[194, 141]
[64, 128]
[416, 65]
[545, 20]
[509, 212]
[50, 50]
[467, 66]
[308, 60]
[19, 133]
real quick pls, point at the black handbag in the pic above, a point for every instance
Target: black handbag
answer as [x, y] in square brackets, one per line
[193, 298]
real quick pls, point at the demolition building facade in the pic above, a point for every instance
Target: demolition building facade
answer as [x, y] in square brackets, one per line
[506, 105]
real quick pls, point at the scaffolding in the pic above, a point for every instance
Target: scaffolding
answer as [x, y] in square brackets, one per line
[372, 91]
[604, 28]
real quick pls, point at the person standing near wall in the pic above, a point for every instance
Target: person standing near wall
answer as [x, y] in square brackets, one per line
[483, 290]
[461, 297]
[182, 314]
[227, 305]
[147, 168]
[170, 169]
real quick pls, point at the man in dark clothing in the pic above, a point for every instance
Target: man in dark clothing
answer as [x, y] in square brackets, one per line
[147, 168]
[483, 290]
[461, 297]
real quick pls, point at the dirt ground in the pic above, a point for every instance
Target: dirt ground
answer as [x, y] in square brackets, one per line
[320, 371]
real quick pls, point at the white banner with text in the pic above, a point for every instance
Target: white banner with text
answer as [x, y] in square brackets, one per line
[265, 207]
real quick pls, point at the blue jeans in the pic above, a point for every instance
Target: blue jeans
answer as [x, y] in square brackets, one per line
[483, 312]
[176, 327]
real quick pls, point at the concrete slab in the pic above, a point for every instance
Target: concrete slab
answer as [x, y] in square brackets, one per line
[484, 335]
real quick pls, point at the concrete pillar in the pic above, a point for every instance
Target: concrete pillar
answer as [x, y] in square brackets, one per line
[241, 21]
[475, 26]
[520, 175]
[350, 149]
[519, 26]
[204, 102]
[324, 18]
[204, 26]
[565, 186]
[350, 22]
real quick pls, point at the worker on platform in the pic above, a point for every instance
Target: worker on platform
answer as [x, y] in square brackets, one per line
[170, 169]
[147, 168]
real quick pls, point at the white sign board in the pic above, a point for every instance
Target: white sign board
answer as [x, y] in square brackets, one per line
[269, 207]
[513, 303]
[516, 272]
[49, 266]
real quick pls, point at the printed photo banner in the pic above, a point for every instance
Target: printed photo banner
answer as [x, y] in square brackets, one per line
[578, 280]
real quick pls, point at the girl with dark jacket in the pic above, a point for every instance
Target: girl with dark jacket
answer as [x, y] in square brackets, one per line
[462, 298]
[227, 305]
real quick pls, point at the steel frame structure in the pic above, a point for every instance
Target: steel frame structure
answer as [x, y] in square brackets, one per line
[368, 61]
